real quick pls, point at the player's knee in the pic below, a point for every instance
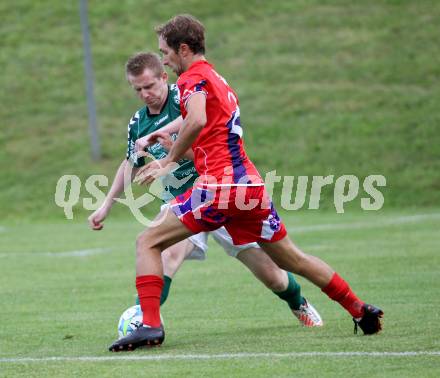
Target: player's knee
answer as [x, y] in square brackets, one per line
[169, 256]
[275, 283]
[144, 241]
[273, 278]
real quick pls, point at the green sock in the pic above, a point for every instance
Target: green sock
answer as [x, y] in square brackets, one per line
[165, 291]
[292, 295]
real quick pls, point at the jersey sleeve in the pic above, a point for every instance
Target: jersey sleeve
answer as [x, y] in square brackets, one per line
[175, 98]
[192, 84]
[131, 139]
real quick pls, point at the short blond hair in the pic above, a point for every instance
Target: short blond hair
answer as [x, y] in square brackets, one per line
[138, 62]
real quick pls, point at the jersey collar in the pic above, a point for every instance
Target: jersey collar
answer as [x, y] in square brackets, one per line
[199, 63]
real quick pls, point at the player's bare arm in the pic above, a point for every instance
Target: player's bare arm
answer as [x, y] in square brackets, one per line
[193, 124]
[171, 128]
[167, 142]
[96, 218]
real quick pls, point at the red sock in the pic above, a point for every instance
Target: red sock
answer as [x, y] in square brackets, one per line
[149, 289]
[338, 290]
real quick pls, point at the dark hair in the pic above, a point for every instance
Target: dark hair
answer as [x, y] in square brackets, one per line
[137, 64]
[183, 28]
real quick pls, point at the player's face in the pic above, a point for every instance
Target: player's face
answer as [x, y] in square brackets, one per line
[152, 90]
[170, 58]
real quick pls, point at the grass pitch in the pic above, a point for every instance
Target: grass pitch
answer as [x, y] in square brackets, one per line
[345, 87]
[63, 288]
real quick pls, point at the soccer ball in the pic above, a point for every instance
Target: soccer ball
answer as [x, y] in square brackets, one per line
[130, 320]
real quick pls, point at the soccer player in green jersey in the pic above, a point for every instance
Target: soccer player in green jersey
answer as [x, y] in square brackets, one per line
[147, 76]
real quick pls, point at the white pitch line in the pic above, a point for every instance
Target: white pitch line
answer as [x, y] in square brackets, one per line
[371, 224]
[77, 253]
[124, 357]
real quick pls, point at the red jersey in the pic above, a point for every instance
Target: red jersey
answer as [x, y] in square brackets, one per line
[218, 149]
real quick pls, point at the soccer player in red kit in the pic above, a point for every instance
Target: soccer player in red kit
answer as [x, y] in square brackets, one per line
[229, 191]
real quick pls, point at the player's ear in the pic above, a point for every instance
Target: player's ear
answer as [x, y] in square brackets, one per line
[164, 76]
[184, 50]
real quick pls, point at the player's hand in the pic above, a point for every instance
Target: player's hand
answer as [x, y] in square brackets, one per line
[154, 169]
[142, 143]
[165, 140]
[96, 219]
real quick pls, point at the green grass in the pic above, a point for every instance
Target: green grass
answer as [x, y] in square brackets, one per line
[58, 305]
[325, 87]
[336, 87]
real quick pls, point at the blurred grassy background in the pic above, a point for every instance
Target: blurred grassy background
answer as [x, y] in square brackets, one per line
[326, 87]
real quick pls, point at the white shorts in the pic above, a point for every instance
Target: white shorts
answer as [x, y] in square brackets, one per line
[221, 236]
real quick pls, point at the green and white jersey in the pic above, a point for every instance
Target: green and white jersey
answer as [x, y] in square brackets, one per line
[143, 123]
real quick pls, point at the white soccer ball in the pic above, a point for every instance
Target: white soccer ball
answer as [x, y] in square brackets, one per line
[130, 320]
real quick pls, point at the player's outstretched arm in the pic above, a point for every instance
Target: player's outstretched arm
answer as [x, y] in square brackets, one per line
[192, 126]
[97, 218]
[170, 128]
[167, 142]
[174, 126]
